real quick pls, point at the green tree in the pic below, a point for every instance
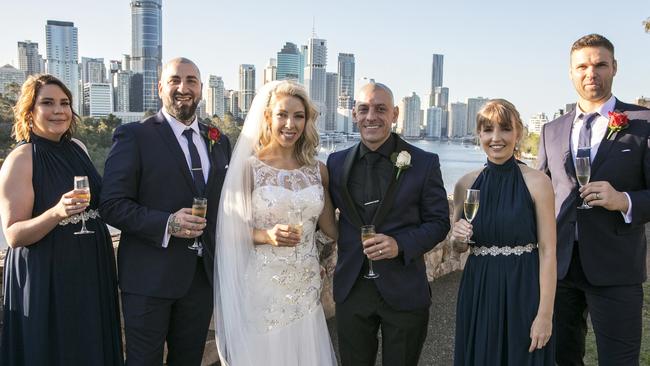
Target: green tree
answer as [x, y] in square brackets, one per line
[12, 91]
[230, 125]
[97, 135]
[646, 25]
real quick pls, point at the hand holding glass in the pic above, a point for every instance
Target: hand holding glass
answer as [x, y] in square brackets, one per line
[199, 208]
[294, 219]
[81, 184]
[368, 232]
[583, 173]
[471, 207]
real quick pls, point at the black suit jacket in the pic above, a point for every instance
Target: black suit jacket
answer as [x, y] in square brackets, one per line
[611, 251]
[414, 211]
[146, 179]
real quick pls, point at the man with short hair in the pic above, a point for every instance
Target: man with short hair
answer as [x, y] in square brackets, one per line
[393, 185]
[601, 251]
[153, 171]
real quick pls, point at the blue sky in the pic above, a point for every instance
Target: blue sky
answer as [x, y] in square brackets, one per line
[510, 49]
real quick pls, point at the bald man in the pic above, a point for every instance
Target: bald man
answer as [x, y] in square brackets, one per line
[153, 172]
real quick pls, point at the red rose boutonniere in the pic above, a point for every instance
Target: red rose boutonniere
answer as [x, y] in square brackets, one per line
[617, 122]
[213, 135]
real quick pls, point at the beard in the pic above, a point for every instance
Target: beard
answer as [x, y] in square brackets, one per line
[182, 112]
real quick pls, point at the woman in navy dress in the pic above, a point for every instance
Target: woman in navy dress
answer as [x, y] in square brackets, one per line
[504, 313]
[60, 289]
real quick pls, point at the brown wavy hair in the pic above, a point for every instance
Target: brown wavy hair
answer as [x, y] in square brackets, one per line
[306, 147]
[25, 106]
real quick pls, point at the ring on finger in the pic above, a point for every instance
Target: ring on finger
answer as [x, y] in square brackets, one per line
[597, 196]
[380, 253]
[187, 232]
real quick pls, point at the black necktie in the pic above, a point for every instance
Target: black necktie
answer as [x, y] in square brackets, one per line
[373, 189]
[584, 139]
[197, 170]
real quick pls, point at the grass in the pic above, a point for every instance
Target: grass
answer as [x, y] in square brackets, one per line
[591, 354]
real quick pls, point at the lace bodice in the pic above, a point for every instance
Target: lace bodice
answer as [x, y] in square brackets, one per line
[285, 282]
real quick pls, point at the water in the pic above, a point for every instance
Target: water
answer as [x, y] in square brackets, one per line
[456, 160]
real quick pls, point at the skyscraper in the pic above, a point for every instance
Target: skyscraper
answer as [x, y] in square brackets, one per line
[63, 56]
[331, 101]
[346, 80]
[457, 119]
[246, 88]
[315, 75]
[473, 106]
[146, 48]
[289, 66]
[93, 70]
[536, 122]
[215, 97]
[121, 89]
[98, 99]
[303, 62]
[411, 124]
[433, 118]
[436, 72]
[29, 60]
[270, 71]
[441, 100]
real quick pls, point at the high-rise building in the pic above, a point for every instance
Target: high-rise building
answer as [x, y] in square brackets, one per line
[201, 111]
[303, 62]
[98, 99]
[146, 48]
[289, 66]
[63, 56]
[457, 120]
[344, 122]
[246, 88]
[10, 75]
[135, 93]
[433, 119]
[473, 106]
[121, 91]
[331, 101]
[346, 80]
[536, 122]
[412, 116]
[270, 71]
[436, 71]
[315, 75]
[441, 100]
[93, 70]
[215, 97]
[233, 107]
[29, 60]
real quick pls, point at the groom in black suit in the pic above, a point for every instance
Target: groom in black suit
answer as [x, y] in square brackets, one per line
[411, 215]
[154, 170]
[601, 252]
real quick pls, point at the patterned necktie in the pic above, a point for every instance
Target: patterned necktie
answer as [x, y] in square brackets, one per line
[197, 170]
[584, 139]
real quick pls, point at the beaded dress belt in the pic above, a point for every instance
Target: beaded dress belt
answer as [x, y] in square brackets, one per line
[494, 251]
[75, 219]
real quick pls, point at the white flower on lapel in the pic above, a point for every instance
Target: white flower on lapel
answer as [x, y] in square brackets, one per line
[402, 161]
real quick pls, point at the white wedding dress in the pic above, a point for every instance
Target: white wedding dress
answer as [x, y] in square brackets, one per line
[283, 296]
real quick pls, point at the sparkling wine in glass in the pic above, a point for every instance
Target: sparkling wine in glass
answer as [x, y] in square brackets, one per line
[583, 173]
[199, 208]
[81, 184]
[294, 219]
[368, 232]
[470, 207]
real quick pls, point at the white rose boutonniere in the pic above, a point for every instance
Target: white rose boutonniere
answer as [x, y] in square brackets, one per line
[402, 161]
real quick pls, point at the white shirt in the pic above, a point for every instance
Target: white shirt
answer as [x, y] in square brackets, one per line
[178, 128]
[598, 131]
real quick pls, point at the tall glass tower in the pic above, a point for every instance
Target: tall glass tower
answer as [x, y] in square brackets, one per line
[146, 49]
[289, 66]
[63, 56]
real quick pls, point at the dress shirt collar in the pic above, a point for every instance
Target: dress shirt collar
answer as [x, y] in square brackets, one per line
[178, 127]
[603, 110]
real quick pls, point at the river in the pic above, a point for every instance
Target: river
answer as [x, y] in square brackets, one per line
[455, 161]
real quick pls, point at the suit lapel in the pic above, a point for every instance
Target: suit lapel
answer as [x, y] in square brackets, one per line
[389, 197]
[606, 144]
[564, 136]
[347, 198]
[204, 136]
[167, 134]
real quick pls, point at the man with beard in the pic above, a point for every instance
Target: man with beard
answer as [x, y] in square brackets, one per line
[153, 171]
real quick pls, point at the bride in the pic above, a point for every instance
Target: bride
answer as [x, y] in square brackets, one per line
[267, 273]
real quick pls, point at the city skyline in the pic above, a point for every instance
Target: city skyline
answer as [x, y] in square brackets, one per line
[502, 49]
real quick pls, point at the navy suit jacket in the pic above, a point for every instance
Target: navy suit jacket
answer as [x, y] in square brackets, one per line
[146, 179]
[414, 211]
[611, 251]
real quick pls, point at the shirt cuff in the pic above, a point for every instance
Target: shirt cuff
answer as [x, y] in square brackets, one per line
[627, 216]
[166, 236]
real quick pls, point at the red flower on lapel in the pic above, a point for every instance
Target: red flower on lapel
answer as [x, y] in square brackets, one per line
[617, 122]
[213, 135]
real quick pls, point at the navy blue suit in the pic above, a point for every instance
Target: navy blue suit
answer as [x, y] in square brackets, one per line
[147, 179]
[608, 259]
[414, 211]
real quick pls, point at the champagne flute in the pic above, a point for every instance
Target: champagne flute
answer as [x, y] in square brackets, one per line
[583, 173]
[81, 183]
[368, 232]
[294, 219]
[199, 208]
[470, 208]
